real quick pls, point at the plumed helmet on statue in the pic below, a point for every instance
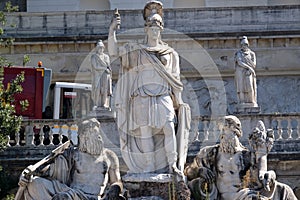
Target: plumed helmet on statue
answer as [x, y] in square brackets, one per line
[153, 13]
[245, 40]
[100, 44]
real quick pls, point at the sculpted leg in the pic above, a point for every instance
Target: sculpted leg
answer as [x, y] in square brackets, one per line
[241, 97]
[170, 146]
[148, 147]
[41, 188]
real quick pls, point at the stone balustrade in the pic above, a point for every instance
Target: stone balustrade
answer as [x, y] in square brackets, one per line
[26, 148]
[286, 127]
[43, 133]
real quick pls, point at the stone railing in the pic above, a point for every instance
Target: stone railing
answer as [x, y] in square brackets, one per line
[286, 127]
[44, 132]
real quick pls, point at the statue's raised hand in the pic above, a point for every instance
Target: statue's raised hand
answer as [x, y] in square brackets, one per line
[26, 177]
[116, 21]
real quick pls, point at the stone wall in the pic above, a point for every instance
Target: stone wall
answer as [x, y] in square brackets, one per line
[207, 68]
[209, 22]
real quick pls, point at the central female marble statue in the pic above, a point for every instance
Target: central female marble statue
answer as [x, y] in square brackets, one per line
[148, 96]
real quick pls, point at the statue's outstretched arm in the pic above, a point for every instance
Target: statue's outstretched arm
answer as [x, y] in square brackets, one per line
[112, 39]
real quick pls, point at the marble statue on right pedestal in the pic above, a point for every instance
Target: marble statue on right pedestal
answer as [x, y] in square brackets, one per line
[245, 79]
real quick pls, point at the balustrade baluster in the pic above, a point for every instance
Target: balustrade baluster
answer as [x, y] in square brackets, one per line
[51, 134]
[17, 138]
[279, 127]
[60, 134]
[33, 136]
[8, 141]
[289, 129]
[42, 135]
[298, 129]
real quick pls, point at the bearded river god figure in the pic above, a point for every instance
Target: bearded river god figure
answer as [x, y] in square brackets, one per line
[86, 172]
[148, 96]
[230, 171]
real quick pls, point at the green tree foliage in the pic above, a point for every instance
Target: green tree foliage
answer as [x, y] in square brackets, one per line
[9, 122]
[26, 59]
[6, 41]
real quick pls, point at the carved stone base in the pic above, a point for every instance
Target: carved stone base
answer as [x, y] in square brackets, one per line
[102, 113]
[247, 108]
[155, 187]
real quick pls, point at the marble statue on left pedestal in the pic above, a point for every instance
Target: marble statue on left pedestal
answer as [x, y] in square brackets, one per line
[245, 77]
[86, 172]
[101, 78]
[230, 171]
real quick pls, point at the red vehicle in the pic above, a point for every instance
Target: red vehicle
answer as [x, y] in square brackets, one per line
[59, 100]
[33, 89]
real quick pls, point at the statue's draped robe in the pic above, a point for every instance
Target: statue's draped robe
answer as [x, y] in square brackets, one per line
[101, 80]
[245, 80]
[148, 79]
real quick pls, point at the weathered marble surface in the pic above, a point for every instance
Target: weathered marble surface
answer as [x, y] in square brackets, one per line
[148, 99]
[152, 186]
[101, 76]
[275, 95]
[229, 170]
[89, 171]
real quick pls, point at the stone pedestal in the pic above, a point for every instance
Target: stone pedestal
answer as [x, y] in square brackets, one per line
[102, 113]
[247, 108]
[155, 186]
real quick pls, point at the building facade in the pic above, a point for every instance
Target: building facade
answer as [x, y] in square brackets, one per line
[205, 33]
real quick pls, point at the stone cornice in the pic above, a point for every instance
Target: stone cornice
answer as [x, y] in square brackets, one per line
[195, 22]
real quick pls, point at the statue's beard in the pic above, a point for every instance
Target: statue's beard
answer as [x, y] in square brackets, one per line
[90, 146]
[229, 145]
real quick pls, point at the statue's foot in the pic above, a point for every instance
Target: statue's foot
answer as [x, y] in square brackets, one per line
[174, 170]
